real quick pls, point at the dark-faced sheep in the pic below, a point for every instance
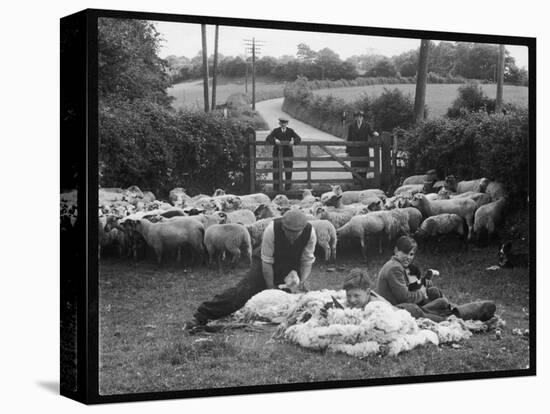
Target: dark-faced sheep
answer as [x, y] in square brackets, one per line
[495, 190]
[488, 217]
[230, 238]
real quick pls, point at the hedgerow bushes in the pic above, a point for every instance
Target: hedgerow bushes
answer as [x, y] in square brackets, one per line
[474, 145]
[389, 110]
[157, 149]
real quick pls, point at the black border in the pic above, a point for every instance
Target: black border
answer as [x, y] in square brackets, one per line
[91, 382]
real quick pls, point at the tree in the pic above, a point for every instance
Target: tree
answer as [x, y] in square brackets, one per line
[329, 61]
[305, 53]
[128, 65]
[383, 67]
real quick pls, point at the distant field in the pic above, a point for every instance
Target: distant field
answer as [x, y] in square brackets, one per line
[190, 94]
[438, 96]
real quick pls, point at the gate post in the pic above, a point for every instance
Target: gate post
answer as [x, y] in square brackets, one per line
[250, 178]
[385, 142]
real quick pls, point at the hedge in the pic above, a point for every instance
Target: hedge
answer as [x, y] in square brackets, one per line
[477, 144]
[144, 144]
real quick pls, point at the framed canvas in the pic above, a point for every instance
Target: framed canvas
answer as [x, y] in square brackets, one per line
[253, 206]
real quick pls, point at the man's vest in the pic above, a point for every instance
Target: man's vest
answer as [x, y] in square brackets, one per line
[287, 256]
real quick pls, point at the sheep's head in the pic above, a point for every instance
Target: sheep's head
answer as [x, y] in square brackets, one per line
[483, 183]
[333, 200]
[417, 200]
[390, 203]
[404, 200]
[230, 203]
[222, 217]
[444, 194]
[427, 187]
[292, 281]
[374, 205]
[281, 200]
[307, 192]
[219, 192]
[450, 183]
[336, 189]
[260, 211]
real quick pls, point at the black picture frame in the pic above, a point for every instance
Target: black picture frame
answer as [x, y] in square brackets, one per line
[79, 169]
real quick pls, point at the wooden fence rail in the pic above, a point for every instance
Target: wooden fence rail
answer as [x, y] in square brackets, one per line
[324, 163]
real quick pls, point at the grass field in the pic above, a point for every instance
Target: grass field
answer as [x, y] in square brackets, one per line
[439, 97]
[143, 347]
[190, 95]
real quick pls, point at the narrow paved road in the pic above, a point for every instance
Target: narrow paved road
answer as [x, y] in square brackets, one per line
[271, 111]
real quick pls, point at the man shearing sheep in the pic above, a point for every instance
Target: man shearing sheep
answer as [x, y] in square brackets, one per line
[288, 244]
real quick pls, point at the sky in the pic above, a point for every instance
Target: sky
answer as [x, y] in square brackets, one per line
[184, 39]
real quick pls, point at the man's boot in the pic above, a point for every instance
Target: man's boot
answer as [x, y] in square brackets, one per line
[477, 311]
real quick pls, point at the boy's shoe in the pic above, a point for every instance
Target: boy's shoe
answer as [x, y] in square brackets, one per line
[193, 325]
[477, 311]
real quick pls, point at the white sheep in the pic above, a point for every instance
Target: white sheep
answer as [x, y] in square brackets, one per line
[172, 234]
[308, 199]
[227, 202]
[464, 207]
[281, 200]
[338, 217]
[479, 198]
[178, 197]
[415, 179]
[208, 220]
[441, 224]
[488, 216]
[414, 217]
[237, 217]
[256, 231]
[231, 238]
[411, 189]
[376, 224]
[479, 185]
[326, 238]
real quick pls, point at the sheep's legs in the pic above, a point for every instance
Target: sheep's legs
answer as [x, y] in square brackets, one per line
[363, 248]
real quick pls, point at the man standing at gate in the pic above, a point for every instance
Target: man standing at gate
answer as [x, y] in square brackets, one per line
[360, 131]
[283, 134]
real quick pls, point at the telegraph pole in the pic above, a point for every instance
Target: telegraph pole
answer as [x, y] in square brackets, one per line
[245, 73]
[421, 80]
[500, 78]
[253, 46]
[214, 74]
[205, 68]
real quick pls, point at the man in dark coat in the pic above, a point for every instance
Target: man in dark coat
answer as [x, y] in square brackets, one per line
[288, 244]
[278, 135]
[359, 131]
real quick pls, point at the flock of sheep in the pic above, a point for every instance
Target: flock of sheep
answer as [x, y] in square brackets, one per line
[131, 221]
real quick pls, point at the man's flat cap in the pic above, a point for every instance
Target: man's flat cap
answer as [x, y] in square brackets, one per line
[294, 220]
[283, 120]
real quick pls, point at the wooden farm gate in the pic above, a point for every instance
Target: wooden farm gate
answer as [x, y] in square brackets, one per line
[318, 164]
